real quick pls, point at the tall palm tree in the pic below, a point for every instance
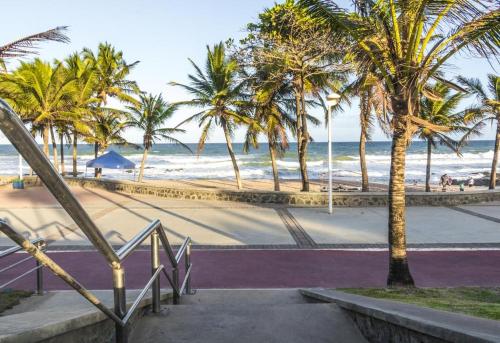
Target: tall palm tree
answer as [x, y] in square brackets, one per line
[488, 110]
[441, 111]
[219, 92]
[83, 102]
[112, 73]
[306, 55]
[409, 42]
[272, 101]
[150, 117]
[373, 107]
[39, 91]
[27, 45]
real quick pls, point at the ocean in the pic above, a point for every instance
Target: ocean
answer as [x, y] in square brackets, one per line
[168, 161]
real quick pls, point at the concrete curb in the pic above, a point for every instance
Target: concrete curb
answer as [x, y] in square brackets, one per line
[383, 320]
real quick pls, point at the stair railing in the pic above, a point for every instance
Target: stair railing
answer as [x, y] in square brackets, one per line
[41, 244]
[23, 141]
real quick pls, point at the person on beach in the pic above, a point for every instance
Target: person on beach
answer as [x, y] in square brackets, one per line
[445, 181]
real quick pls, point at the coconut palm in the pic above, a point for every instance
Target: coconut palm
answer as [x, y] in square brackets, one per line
[112, 73]
[488, 110]
[27, 45]
[107, 129]
[272, 101]
[83, 102]
[150, 117]
[408, 43]
[219, 92]
[441, 111]
[307, 56]
[39, 91]
[373, 107]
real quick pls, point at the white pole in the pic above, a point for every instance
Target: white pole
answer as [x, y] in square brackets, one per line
[330, 185]
[20, 167]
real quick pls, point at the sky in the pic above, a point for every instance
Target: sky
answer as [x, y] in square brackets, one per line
[162, 35]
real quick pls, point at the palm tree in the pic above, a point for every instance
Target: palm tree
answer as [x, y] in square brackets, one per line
[39, 91]
[219, 91]
[408, 43]
[441, 111]
[306, 55]
[107, 129]
[150, 116]
[111, 71]
[373, 106]
[488, 110]
[83, 102]
[27, 45]
[272, 101]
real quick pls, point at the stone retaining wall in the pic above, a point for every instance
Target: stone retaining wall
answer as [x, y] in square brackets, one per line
[351, 199]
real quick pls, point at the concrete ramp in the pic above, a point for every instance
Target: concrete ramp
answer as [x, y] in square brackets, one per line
[247, 316]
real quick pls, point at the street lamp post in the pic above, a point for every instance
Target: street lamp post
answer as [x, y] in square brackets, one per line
[331, 101]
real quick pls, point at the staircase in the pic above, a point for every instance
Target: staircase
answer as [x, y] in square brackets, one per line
[247, 316]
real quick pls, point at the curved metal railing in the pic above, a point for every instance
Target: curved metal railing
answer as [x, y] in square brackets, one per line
[23, 141]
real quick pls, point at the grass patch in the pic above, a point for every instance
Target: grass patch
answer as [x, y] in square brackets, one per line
[9, 298]
[473, 301]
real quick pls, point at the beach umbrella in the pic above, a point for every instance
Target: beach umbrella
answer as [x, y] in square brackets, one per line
[111, 160]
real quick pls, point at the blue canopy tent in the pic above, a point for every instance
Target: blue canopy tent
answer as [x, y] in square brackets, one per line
[111, 160]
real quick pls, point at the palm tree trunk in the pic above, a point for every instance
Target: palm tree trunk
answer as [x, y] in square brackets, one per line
[364, 113]
[143, 163]
[428, 168]
[75, 153]
[272, 154]
[399, 272]
[493, 175]
[97, 171]
[54, 147]
[46, 134]
[63, 171]
[231, 153]
[302, 134]
[365, 186]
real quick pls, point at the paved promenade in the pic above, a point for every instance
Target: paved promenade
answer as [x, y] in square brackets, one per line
[239, 245]
[35, 213]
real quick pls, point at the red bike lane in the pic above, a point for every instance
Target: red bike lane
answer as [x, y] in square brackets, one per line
[275, 269]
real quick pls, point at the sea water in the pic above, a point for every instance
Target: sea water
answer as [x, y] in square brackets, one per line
[167, 161]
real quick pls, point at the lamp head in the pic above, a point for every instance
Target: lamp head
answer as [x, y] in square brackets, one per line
[332, 99]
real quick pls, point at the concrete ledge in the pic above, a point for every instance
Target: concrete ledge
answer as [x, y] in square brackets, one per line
[66, 319]
[346, 199]
[391, 321]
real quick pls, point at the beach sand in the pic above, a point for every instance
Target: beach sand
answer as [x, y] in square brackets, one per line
[292, 185]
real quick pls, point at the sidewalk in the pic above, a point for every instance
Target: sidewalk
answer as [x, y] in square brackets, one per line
[35, 213]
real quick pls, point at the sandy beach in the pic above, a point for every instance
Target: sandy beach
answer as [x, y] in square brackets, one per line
[295, 185]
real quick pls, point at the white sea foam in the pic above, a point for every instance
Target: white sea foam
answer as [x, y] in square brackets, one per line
[181, 165]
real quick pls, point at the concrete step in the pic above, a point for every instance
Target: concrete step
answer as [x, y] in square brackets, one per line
[245, 323]
[245, 296]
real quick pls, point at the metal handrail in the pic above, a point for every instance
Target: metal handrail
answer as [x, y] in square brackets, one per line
[152, 230]
[132, 244]
[15, 131]
[15, 249]
[23, 141]
[41, 244]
